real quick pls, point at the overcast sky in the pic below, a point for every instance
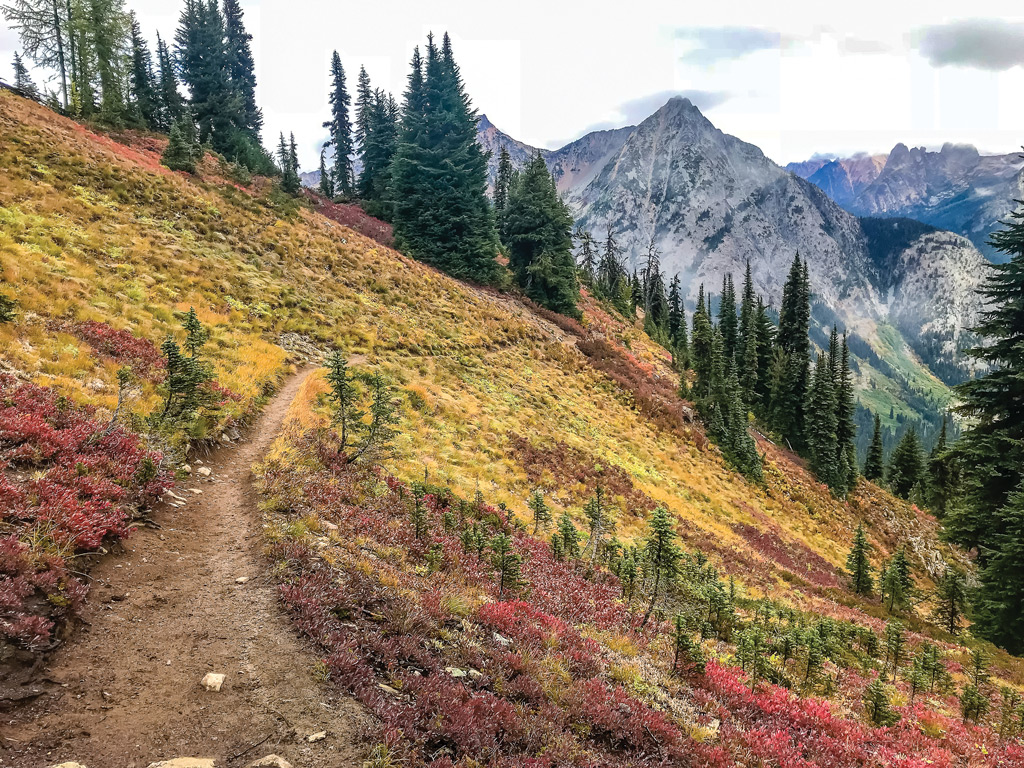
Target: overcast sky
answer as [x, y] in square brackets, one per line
[794, 78]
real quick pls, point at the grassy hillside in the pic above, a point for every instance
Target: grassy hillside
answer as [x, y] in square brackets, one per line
[496, 397]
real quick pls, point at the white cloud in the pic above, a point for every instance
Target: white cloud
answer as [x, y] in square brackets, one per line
[990, 44]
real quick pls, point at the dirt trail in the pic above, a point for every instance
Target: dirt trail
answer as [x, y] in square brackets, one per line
[126, 692]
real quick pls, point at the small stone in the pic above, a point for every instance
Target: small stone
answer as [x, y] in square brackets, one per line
[213, 681]
[72, 764]
[315, 737]
[328, 525]
[204, 471]
[196, 491]
[476, 674]
[455, 671]
[186, 469]
[388, 689]
[241, 580]
[185, 762]
[501, 639]
[270, 761]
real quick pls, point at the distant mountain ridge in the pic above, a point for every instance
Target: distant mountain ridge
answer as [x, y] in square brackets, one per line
[956, 188]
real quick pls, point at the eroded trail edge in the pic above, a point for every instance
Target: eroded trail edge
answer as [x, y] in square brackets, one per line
[169, 609]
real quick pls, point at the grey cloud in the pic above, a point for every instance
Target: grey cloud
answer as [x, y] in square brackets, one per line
[987, 44]
[713, 44]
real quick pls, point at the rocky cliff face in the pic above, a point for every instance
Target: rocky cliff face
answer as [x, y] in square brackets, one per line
[955, 188]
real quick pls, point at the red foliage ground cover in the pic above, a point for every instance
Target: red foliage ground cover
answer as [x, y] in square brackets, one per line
[68, 481]
[354, 217]
[141, 355]
[516, 680]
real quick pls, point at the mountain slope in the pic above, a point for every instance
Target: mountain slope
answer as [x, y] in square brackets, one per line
[955, 188]
[496, 398]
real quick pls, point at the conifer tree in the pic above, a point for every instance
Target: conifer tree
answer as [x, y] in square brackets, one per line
[702, 349]
[340, 129]
[170, 104]
[442, 215]
[1000, 616]
[538, 234]
[628, 576]
[874, 465]
[195, 335]
[858, 563]
[587, 260]
[241, 70]
[364, 105]
[662, 553]
[686, 649]
[974, 704]
[877, 705]
[943, 475]
[22, 79]
[44, 29]
[183, 150]
[821, 424]
[846, 430]
[728, 323]
[895, 582]
[991, 449]
[141, 83]
[747, 352]
[287, 157]
[326, 177]
[636, 294]
[501, 183]
[418, 513]
[596, 510]
[344, 397]
[950, 599]
[541, 511]
[906, 465]
[8, 306]
[765, 333]
[677, 324]
[895, 646]
[794, 322]
[507, 563]
[655, 300]
[568, 536]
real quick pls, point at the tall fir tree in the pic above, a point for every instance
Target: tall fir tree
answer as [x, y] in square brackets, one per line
[746, 350]
[677, 335]
[858, 563]
[765, 332]
[538, 235]
[340, 129]
[326, 177]
[728, 323]
[943, 474]
[442, 215]
[820, 419]
[364, 105]
[846, 429]
[906, 465]
[701, 349]
[142, 98]
[950, 599]
[241, 69]
[202, 61]
[788, 401]
[22, 79]
[587, 259]
[501, 183]
[874, 465]
[1000, 598]
[169, 101]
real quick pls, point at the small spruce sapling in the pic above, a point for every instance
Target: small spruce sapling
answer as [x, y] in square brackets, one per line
[507, 563]
[858, 564]
[877, 707]
[541, 511]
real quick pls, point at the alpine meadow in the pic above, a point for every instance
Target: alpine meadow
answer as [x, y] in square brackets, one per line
[365, 434]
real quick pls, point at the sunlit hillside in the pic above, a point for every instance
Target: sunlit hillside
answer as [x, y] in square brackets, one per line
[497, 397]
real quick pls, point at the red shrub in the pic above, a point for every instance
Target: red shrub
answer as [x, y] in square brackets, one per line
[141, 355]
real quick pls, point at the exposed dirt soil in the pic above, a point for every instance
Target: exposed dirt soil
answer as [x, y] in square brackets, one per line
[162, 613]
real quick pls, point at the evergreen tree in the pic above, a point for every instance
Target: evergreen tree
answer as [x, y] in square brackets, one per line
[846, 430]
[587, 260]
[877, 706]
[442, 215]
[701, 350]
[991, 449]
[1000, 616]
[202, 63]
[538, 233]
[287, 157]
[747, 344]
[662, 553]
[183, 150]
[686, 649]
[501, 184]
[241, 69]
[974, 704]
[344, 397]
[874, 465]
[507, 563]
[791, 391]
[141, 84]
[340, 129]
[418, 515]
[677, 324]
[728, 323]
[44, 29]
[22, 79]
[636, 295]
[906, 465]
[765, 332]
[326, 177]
[895, 646]
[950, 599]
[169, 102]
[655, 300]
[541, 511]
[568, 536]
[821, 425]
[380, 433]
[858, 563]
[364, 105]
[8, 307]
[895, 582]
[943, 475]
